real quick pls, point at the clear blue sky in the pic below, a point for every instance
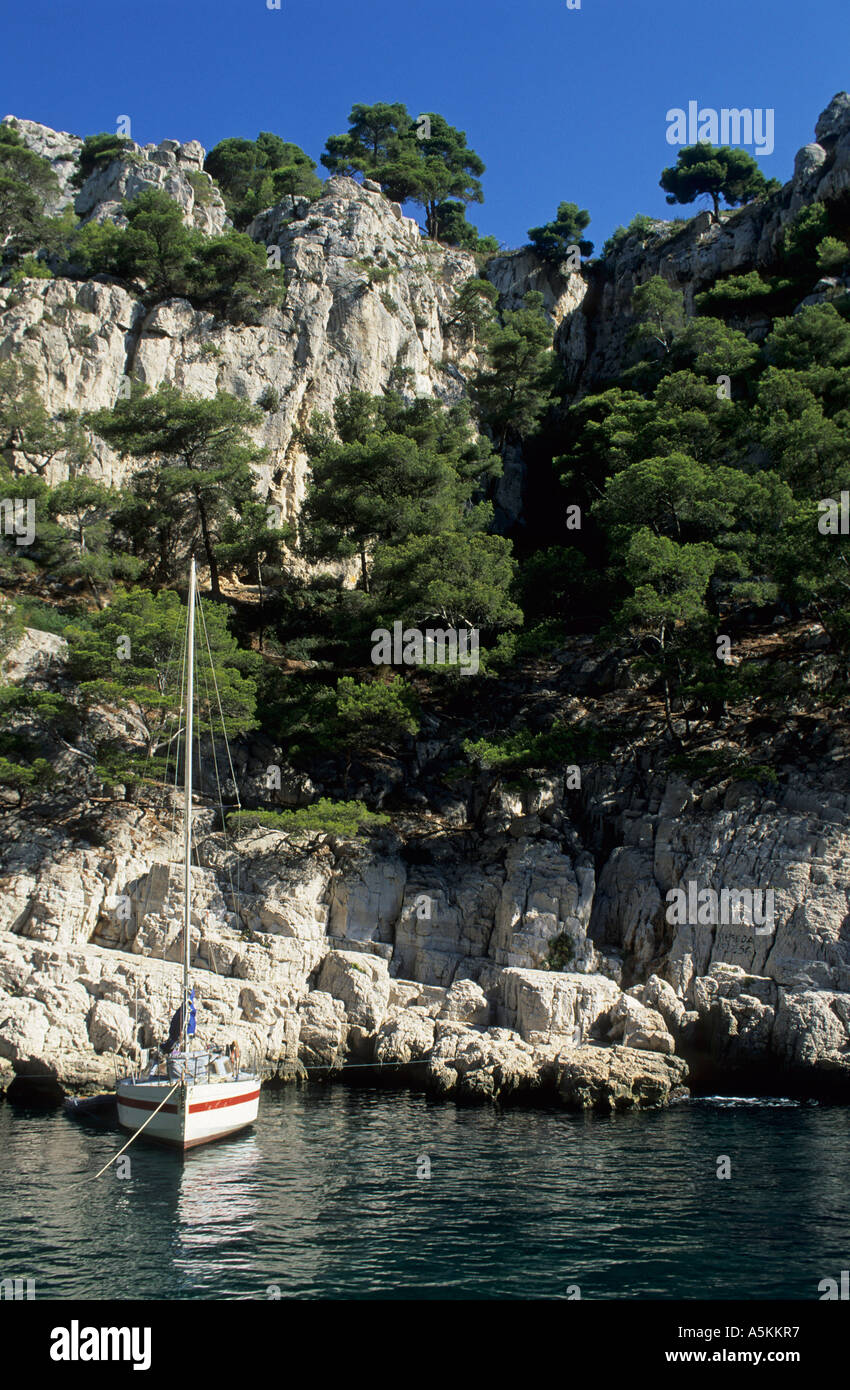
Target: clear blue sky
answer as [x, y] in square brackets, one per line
[560, 104]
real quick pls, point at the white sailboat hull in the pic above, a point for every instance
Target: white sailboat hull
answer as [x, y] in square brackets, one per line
[195, 1114]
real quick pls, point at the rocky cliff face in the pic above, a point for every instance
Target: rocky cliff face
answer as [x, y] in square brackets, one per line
[367, 297]
[427, 948]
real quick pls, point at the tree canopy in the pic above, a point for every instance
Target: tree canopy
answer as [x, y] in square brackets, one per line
[26, 182]
[254, 174]
[720, 171]
[195, 479]
[554, 239]
[424, 161]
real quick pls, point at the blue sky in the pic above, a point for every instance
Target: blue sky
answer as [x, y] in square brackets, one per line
[560, 104]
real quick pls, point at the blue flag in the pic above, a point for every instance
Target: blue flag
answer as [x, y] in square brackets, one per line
[175, 1032]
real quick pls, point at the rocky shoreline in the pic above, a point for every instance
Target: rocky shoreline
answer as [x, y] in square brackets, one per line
[426, 953]
[432, 970]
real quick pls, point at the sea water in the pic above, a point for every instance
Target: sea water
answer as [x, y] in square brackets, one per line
[363, 1193]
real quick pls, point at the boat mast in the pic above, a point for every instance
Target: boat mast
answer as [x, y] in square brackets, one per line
[187, 827]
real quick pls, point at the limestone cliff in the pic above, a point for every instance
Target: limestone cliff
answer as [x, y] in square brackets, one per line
[427, 947]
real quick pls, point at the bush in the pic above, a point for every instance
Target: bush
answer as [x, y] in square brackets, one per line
[269, 400]
[561, 952]
[833, 255]
[349, 818]
[30, 268]
[228, 273]
[558, 745]
[736, 291]
[202, 187]
[640, 226]
[97, 151]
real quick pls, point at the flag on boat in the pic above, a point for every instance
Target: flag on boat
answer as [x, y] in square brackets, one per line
[175, 1032]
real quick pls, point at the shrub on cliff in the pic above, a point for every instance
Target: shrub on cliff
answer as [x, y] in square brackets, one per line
[555, 239]
[641, 227]
[451, 226]
[163, 257]
[517, 384]
[128, 655]
[255, 174]
[345, 818]
[26, 181]
[384, 470]
[98, 151]
[33, 723]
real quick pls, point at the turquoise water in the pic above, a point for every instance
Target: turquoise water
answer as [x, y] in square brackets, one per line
[322, 1200]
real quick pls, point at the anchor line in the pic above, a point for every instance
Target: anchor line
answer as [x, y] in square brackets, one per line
[134, 1136]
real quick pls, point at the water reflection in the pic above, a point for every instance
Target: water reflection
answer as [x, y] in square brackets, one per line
[323, 1200]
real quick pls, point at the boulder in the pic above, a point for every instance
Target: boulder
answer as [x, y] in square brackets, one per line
[619, 1078]
[361, 983]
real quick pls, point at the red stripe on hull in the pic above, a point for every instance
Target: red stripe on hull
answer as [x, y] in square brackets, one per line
[146, 1105]
[220, 1104]
[193, 1109]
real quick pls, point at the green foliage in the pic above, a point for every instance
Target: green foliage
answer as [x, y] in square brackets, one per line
[741, 294]
[97, 152]
[474, 308]
[130, 652]
[269, 400]
[719, 171]
[44, 617]
[375, 274]
[832, 255]
[201, 187]
[163, 257]
[451, 226]
[459, 579]
[641, 227]
[255, 174]
[29, 267]
[349, 819]
[561, 745]
[230, 274]
[31, 723]
[516, 386]
[803, 236]
[817, 336]
[384, 470]
[660, 313]
[26, 182]
[561, 952]
[27, 428]
[373, 715]
[195, 488]
[712, 349]
[554, 240]
[716, 764]
[383, 143]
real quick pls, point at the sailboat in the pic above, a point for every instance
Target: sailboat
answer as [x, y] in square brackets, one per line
[191, 1097]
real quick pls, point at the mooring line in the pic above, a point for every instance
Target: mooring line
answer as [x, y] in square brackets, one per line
[134, 1136]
